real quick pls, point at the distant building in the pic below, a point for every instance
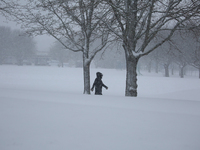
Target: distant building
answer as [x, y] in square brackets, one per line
[8, 60]
[42, 58]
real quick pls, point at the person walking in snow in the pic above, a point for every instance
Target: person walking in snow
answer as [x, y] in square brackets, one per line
[98, 84]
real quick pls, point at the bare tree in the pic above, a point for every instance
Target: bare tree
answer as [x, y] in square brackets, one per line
[23, 46]
[167, 51]
[195, 61]
[5, 6]
[112, 57]
[5, 47]
[59, 53]
[139, 22]
[74, 23]
[15, 45]
[192, 48]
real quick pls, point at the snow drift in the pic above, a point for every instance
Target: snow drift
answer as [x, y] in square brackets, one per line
[44, 108]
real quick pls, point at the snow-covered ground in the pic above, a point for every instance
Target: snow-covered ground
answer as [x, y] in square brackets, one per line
[43, 108]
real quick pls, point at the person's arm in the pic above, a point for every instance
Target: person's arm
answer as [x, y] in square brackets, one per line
[104, 86]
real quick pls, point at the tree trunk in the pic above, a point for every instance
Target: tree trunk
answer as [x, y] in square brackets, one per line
[131, 76]
[86, 77]
[156, 67]
[181, 72]
[149, 67]
[199, 73]
[166, 70]
[172, 70]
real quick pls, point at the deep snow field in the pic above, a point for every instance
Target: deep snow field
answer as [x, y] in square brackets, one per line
[43, 108]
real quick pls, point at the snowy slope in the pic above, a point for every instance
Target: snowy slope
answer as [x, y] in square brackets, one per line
[43, 108]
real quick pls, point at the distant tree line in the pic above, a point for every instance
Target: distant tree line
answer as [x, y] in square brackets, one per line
[15, 46]
[112, 57]
[181, 52]
[177, 55]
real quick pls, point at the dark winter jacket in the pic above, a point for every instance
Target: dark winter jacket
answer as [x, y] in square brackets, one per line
[98, 84]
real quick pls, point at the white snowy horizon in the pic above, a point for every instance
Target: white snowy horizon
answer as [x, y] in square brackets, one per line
[43, 108]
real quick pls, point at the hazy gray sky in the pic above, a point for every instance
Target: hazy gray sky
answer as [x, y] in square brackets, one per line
[43, 42]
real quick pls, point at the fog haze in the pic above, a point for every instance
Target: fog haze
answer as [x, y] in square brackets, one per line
[43, 42]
